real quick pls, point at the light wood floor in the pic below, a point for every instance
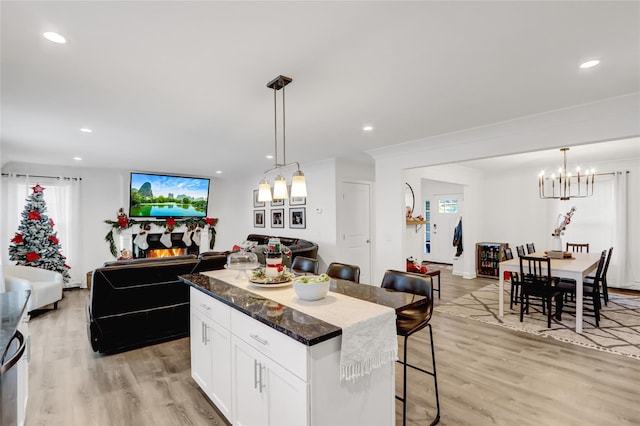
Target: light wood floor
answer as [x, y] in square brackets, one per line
[487, 375]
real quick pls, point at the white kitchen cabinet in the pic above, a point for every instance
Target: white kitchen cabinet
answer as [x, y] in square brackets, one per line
[211, 350]
[265, 393]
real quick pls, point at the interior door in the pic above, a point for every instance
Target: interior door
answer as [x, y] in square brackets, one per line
[355, 227]
[445, 214]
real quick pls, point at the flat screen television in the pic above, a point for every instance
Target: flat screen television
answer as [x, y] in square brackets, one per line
[163, 196]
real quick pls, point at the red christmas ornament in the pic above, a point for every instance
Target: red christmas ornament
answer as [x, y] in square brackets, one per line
[34, 215]
[171, 222]
[51, 222]
[67, 266]
[53, 239]
[210, 221]
[32, 255]
[18, 239]
[123, 222]
[37, 189]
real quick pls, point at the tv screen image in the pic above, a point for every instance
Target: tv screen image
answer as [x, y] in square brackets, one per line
[161, 196]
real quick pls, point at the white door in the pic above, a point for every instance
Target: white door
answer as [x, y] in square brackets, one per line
[355, 227]
[445, 215]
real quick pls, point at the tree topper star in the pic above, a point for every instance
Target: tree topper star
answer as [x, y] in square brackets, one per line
[37, 189]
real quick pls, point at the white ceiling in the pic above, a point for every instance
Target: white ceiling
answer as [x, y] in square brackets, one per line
[181, 86]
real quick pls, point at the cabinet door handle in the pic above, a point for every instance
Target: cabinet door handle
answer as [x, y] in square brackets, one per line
[206, 307]
[261, 367]
[202, 333]
[255, 374]
[259, 339]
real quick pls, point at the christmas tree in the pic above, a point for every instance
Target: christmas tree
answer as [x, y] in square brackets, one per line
[35, 243]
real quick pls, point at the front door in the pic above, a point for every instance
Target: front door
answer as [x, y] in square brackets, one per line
[444, 214]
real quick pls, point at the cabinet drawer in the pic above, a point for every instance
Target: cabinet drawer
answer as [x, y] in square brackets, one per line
[281, 348]
[211, 308]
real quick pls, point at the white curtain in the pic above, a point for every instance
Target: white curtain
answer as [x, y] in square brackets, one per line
[623, 272]
[62, 196]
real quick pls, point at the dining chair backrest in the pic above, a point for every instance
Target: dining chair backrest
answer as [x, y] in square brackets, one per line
[531, 248]
[520, 250]
[305, 264]
[599, 276]
[578, 247]
[535, 270]
[343, 271]
[508, 253]
[606, 265]
[410, 282]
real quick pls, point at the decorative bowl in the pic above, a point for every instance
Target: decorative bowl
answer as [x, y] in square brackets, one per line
[312, 287]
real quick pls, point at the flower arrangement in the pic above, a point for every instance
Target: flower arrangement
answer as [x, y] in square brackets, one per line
[563, 221]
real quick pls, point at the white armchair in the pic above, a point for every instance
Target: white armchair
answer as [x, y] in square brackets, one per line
[45, 285]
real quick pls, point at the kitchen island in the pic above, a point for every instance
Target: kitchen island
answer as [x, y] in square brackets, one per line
[263, 362]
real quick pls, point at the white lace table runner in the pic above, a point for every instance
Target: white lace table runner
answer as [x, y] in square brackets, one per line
[368, 329]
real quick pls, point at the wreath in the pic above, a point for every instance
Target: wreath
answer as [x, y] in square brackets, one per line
[124, 222]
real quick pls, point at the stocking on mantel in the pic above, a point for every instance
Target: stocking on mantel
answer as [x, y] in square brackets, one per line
[141, 240]
[196, 236]
[166, 239]
[186, 238]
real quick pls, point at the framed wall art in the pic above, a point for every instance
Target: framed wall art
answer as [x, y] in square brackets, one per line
[276, 203]
[277, 218]
[257, 203]
[298, 217]
[258, 219]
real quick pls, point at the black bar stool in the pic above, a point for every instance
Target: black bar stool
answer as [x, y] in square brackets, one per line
[410, 321]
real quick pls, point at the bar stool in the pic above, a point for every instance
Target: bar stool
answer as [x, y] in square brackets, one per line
[306, 265]
[409, 321]
[343, 271]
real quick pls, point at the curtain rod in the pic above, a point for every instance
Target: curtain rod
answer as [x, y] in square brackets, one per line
[41, 176]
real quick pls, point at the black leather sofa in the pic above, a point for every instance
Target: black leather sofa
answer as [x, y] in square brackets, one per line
[298, 246]
[139, 302]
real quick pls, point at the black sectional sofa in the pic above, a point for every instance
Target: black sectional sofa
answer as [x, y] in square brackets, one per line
[139, 302]
[298, 246]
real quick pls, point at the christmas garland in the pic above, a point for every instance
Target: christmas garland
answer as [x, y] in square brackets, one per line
[124, 222]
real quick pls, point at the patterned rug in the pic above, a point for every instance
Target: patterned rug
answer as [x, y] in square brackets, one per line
[619, 331]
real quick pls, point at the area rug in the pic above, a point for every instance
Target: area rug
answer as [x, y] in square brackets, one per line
[619, 331]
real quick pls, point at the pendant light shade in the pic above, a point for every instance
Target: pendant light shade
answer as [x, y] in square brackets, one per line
[280, 187]
[298, 184]
[264, 191]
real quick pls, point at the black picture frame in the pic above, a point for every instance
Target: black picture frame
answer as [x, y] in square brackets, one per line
[257, 203]
[277, 203]
[277, 218]
[297, 201]
[298, 218]
[259, 219]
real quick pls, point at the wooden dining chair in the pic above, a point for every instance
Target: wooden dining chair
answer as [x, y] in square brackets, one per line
[536, 282]
[514, 279]
[605, 288]
[590, 287]
[531, 248]
[578, 247]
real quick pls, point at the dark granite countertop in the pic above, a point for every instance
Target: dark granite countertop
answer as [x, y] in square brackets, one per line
[12, 306]
[295, 324]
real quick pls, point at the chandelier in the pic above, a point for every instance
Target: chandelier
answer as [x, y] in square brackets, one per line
[298, 183]
[565, 185]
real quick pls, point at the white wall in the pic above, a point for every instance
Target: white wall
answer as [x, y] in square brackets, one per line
[611, 119]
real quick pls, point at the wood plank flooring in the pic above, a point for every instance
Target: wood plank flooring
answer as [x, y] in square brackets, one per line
[487, 375]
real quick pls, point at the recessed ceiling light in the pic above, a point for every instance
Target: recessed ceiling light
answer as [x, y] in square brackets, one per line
[218, 172]
[77, 158]
[85, 130]
[367, 128]
[589, 64]
[269, 156]
[54, 37]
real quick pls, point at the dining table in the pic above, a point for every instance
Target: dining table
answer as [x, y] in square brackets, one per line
[578, 266]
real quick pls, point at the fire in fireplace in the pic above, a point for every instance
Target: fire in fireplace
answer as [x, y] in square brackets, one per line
[169, 252]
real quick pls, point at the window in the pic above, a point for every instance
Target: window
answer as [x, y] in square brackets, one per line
[447, 206]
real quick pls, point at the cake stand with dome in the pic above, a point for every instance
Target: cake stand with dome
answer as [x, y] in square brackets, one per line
[242, 261]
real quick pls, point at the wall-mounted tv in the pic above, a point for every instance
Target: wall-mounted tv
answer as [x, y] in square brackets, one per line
[162, 196]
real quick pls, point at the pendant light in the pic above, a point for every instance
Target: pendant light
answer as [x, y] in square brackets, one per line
[566, 185]
[280, 187]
